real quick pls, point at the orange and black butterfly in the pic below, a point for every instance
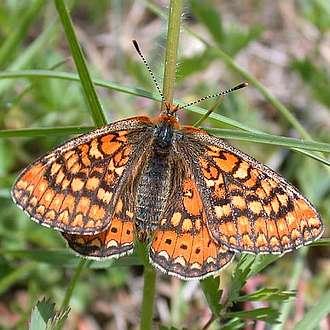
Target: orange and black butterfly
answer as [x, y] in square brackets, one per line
[194, 199]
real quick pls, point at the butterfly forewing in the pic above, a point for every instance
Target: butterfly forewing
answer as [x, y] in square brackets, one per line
[249, 207]
[75, 187]
[181, 244]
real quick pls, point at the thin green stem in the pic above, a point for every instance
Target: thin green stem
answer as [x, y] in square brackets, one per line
[173, 34]
[149, 287]
[72, 284]
[149, 290]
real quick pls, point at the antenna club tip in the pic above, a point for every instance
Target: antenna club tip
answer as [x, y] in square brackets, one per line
[136, 45]
[241, 85]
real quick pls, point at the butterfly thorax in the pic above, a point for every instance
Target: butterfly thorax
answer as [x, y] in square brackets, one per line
[154, 186]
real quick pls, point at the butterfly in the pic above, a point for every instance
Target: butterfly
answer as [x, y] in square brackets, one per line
[193, 198]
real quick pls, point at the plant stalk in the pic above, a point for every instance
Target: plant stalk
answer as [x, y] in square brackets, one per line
[173, 34]
[149, 290]
[72, 284]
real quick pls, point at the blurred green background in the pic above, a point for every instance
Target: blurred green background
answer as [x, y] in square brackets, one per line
[284, 44]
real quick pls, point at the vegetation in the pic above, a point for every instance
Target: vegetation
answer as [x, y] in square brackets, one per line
[52, 88]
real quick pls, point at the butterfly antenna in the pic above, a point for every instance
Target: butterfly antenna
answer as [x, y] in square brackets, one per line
[235, 88]
[137, 48]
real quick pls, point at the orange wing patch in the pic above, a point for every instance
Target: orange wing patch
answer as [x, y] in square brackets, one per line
[182, 245]
[115, 241]
[75, 187]
[188, 256]
[249, 207]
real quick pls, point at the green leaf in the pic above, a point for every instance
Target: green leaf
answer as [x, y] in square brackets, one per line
[74, 77]
[237, 38]
[208, 16]
[6, 157]
[231, 39]
[128, 90]
[131, 260]
[313, 156]
[92, 99]
[267, 314]
[44, 316]
[318, 79]
[54, 257]
[196, 63]
[41, 314]
[240, 275]
[261, 262]
[230, 63]
[212, 293]
[233, 324]
[313, 317]
[267, 294]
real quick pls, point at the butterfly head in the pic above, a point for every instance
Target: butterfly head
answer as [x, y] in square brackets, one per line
[168, 116]
[170, 109]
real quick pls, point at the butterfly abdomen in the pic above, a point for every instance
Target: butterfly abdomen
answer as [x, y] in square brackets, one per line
[153, 185]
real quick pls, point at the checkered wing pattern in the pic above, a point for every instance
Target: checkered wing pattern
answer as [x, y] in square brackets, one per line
[116, 240]
[76, 187]
[249, 207]
[182, 245]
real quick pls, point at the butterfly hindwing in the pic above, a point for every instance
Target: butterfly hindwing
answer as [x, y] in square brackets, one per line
[76, 187]
[115, 241]
[181, 245]
[249, 207]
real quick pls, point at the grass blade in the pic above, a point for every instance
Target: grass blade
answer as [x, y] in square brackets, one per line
[74, 77]
[270, 139]
[46, 37]
[17, 35]
[228, 134]
[45, 131]
[86, 81]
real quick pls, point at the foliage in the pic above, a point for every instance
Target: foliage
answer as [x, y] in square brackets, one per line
[43, 102]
